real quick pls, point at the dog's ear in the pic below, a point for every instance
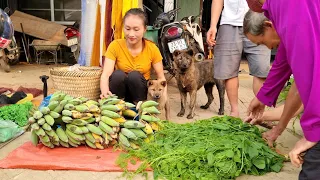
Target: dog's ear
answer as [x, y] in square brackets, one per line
[190, 52]
[176, 53]
[163, 83]
[150, 83]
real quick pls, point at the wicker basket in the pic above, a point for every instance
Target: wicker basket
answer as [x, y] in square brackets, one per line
[85, 82]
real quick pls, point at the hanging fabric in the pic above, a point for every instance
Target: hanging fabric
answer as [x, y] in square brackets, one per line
[108, 29]
[116, 21]
[108, 36]
[96, 53]
[119, 9]
[127, 5]
[88, 28]
[81, 59]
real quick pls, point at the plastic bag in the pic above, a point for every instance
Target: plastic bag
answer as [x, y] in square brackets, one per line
[9, 130]
[75, 67]
[45, 102]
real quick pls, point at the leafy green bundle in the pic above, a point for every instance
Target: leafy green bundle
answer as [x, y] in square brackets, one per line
[215, 148]
[17, 113]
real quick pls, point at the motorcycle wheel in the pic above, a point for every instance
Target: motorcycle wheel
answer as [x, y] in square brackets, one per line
[15, 52]
[14, 61]
[4, 65]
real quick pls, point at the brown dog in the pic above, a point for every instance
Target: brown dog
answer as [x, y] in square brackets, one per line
[191, 76]
[157, 91]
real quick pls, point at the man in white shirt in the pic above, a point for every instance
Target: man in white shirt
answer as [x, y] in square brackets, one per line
[228, 47]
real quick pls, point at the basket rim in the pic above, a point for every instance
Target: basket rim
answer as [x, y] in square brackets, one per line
[85, 68]
[84, 71]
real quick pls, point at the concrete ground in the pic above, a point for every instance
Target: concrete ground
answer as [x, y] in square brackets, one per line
[28, 76]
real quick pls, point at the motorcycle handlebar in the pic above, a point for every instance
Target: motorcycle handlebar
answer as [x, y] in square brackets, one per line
[173, 11]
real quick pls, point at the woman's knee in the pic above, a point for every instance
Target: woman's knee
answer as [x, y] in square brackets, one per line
[118, 76]
[135, 76]
[137, 85]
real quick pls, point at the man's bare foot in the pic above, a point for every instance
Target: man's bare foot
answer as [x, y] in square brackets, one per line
[235, 114]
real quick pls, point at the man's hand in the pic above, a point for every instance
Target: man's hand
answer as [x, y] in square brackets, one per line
[105, 94]
[255, 109]
[301, 146]
[272, 135]
[211, 36]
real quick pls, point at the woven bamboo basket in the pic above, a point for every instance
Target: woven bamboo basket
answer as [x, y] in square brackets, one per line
[84, 82]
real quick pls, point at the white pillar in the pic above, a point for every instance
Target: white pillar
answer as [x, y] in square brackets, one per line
[52, 9]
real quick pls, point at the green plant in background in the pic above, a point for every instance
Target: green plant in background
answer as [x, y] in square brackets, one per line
[283, 96]
[17, 113]
[215, 148]
[284, 93]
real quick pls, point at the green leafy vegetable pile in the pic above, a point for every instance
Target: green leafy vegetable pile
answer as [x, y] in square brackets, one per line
[213, 149]
[17, 113]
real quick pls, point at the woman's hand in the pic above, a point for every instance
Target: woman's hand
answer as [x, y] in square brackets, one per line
[104, 82]
[301, 146]
[158, 68]
[255, 109]
[105, 94]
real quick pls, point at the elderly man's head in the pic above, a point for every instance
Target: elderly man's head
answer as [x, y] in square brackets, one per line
[260, 30]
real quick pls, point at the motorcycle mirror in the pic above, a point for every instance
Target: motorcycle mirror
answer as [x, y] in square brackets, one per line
[199, 57]
[173, 10]
[7, 10]
[185, 19]
[193, 18]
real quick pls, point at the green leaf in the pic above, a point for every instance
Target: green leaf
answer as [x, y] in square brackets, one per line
[165, 168]
[259, 162]
[220, 164]
[167, 147]
[276, 167]
[220, 126]
[238, 173]
[253, 152]
[210, 159]
[254, 171]
[155, 174]
[229, 153]
[132, 161]
[180, 166]
[187, 161]
[237, 156]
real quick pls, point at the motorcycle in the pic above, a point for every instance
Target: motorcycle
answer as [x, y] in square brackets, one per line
[194, 35]
[11, 54]
[177, 35]
[73, 36]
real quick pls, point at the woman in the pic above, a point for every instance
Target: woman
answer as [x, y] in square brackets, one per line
[294, 28]
[128, 62]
